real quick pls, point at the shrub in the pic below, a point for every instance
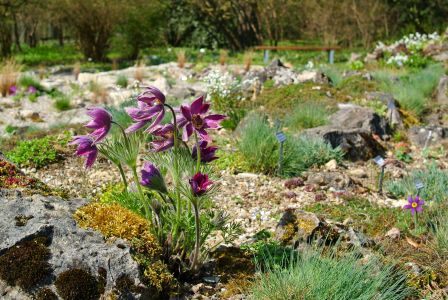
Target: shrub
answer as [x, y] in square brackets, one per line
[122, 81]
[313, 275]
[259, 148]
[37, 153]
[435, 181]
[307, 115]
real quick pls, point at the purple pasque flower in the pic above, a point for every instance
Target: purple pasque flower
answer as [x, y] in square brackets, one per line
[101, 123]
[150, 104]
[32, 90]
[194, 119]
[12, 90]
[166, 138]
[86, 147]
[207, 153]
[151, 177]
[415, 205]
[200, 184]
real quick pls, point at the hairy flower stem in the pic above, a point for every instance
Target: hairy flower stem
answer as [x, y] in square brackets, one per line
[198, 153]
[140, 192]
[197, 246]
[123, 176]
[176, 168]
[126, 140]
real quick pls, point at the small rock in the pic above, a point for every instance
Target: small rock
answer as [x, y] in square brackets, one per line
[293, 183]
[393, 233]
[331, 165]
[359, 173]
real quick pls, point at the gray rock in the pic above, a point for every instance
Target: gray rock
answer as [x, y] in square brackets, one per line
[442, 91]
[393, 114]
[297, 226]
[336, 180]
[354, 117]
[70, 246]
[352, 129]
[357, 144]
[427, 136]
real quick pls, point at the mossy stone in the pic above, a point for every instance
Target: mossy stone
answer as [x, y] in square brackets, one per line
[26, 264]
[75, 284]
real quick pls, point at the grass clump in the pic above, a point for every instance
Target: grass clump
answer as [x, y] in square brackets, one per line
[259, 148]
[313, 275]
[62, 103]
[308, 115]
[413, 90]
[9, 71]
[122, 81]
[435, 180]
[367, 217]
[27, 81]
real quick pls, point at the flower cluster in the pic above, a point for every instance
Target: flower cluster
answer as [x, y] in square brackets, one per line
[193, 120]
[87, 144]
[220, 85]
[399, 60]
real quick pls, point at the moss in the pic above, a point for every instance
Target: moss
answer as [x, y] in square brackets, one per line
[45, 294]
[112, 220]
[22, 220]
[77, 284]
[12, 178]
[232, 262]
[26, 264]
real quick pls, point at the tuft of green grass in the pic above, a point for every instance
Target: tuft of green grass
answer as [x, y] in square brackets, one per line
[259, 148]
[435, 180]
[312, 275]
[414, 89]
[62, 103]
[307, 115]
[122, 81]
[27, 81]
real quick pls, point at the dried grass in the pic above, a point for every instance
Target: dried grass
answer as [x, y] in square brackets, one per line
[139, 73]
[181, 58]
[223, 57]
[99, 92]
[76, 70]
[247, 60]
[9, 73]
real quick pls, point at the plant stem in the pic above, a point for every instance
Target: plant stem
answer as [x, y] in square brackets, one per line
[140, 191]
[197, 246]
[123, 176]
[198, 153]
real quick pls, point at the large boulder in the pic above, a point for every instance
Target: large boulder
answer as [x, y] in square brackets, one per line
[42, 247]
[353, 129]
[393, 114]
[354, 117]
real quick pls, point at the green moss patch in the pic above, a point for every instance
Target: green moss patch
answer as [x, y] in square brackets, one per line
[78, 284]
[26, 264]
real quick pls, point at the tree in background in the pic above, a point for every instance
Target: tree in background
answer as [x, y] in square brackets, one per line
[239, 22]
[94, 22]
[141, 26]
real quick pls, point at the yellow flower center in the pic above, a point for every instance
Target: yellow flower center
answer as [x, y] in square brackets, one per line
[414, 204]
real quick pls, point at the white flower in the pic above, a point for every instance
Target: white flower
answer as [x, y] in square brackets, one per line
[202, 50]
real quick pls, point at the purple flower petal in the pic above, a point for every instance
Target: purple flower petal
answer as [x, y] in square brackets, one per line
[196, 106]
